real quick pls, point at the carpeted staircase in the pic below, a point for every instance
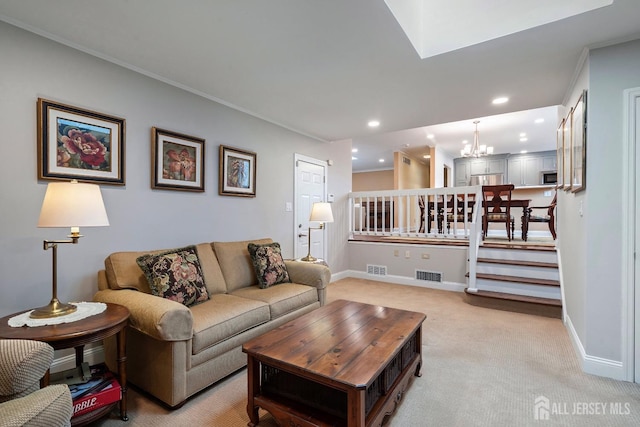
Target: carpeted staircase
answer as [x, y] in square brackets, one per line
[518, 277]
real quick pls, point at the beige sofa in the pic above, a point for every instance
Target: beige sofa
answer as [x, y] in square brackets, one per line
[174, 351]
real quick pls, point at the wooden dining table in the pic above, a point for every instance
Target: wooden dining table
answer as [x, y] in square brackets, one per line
[524, 204]
[515, 203]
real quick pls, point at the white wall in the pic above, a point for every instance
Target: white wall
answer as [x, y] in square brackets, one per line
[591, 245]
[140, 218]
[442, 159]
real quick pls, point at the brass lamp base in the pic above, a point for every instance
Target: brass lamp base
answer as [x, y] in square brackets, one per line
[309, 258]
[55, 308]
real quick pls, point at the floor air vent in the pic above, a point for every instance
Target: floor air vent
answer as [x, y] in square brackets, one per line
[377, 270]
[430, 276]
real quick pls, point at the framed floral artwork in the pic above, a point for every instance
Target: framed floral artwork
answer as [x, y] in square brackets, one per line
[568, 158]
[579, 144]
[560, 155]
[237, 172]
[177, 161]
[75, 143]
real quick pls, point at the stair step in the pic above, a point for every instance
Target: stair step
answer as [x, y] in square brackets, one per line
[517, 279]
[520, 298]
[519, 246]
[518, 262]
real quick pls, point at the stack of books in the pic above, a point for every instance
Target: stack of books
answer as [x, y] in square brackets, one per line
[91, 387]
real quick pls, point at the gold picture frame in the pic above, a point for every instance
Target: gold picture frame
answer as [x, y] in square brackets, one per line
[177, 161]
[579, 144]
[566, 130]
[237, 172]
[75, 143]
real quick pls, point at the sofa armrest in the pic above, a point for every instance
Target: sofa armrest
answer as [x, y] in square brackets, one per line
[305, 273]
[160, 318]
[22, 364]
[50, 406]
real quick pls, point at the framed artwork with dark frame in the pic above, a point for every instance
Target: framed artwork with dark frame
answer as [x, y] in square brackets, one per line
[579, 144]
[177, 161]
[79, 144]
[568, 160]
[560, 155]
[237, 172]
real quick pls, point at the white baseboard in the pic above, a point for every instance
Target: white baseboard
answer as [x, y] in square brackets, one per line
[402, 280]
[592, 364]
[93, 356]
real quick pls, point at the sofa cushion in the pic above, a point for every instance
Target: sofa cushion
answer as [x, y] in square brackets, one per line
[223, 317]
[235, 262]
[268, 264]
[176, 275]
[282, 299]
[124, 273]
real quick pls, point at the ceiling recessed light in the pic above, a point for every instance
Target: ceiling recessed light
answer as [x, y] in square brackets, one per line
[373, 123]
[431, 136]
[525, 139]
[464, 141]
[354, 150]
[500, 100]
[523, 152]
[381, 160]
[354, 158]
[522, 134]
[426, 156]
[538, 121]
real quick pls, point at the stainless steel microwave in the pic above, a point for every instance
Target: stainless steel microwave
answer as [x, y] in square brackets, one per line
[549, 178]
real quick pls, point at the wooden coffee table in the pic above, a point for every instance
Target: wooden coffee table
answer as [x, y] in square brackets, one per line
[344, 364]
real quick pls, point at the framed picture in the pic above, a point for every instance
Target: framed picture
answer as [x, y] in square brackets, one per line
[560, 155]
[177, 161]
[578, 144]
[566, 137]
[237, 173]
[79, 144]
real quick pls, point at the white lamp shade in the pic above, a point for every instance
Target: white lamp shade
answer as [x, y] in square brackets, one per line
[321, 212]
[73, 204]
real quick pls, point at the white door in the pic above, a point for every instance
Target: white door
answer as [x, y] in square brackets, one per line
[310, 187]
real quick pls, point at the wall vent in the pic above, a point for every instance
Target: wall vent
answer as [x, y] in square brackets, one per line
[377, 270]
[431, 276]
[406, 160]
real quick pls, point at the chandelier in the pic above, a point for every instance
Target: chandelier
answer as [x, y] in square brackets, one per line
[475, 149]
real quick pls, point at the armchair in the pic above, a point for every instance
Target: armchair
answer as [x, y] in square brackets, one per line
[22, 402]
[549, 218]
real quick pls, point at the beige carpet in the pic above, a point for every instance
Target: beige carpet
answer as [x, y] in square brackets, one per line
[481, 367]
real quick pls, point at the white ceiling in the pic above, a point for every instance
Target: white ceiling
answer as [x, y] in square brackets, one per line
[325, 68]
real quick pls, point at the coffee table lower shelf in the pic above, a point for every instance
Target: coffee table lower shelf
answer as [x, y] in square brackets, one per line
[291, 412]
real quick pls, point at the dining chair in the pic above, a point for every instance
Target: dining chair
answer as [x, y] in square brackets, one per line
[429, 214]
[496, 202]
[549, 217]
[456, 212]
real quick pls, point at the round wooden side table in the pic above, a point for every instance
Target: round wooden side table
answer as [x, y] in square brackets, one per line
[76, 334]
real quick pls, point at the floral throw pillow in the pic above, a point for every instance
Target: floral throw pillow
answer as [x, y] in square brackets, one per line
[268, 264]
[175, 275]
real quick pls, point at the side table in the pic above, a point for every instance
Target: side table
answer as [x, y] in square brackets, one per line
[94, 328]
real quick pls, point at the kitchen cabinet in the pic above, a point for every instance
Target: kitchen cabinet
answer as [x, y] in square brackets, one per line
[526, 169]
[466, 167]
[462, 172]
[488, 165]
[519, 169]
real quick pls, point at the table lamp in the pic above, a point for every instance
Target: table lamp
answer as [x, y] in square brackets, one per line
[68, 204]
[320, 212]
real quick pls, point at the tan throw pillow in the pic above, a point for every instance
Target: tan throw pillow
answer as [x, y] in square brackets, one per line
[268, 264]
[175, 275]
